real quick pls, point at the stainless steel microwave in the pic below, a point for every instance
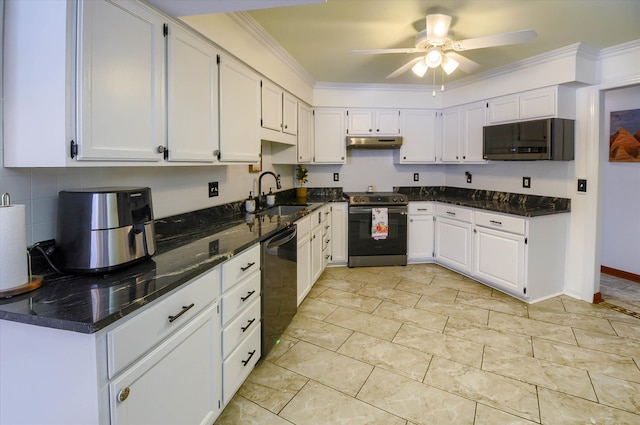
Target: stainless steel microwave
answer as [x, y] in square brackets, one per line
[546, 139]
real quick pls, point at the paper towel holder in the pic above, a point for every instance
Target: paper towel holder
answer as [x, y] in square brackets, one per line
[34, 282]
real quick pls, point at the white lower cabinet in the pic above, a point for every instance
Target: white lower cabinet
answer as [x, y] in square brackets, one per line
[339, 233]
[241, 312]
[499, 259]
[453, 237]
[177, 382]
[304, 258]
[420, 240]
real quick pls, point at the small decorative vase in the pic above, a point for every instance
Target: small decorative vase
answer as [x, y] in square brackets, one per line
[301, 195]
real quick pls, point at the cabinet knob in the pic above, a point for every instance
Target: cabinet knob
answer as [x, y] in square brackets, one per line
[161, 149]
[464, 157]
[216, 153]
[286, 126]
[123, 394]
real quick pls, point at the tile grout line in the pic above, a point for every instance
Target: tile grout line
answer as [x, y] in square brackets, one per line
[620, 309]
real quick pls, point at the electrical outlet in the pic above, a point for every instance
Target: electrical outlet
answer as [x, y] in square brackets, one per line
[469, 177]
[214, 248]
[213, 189]
[336, 177]
[526, 182]
[582, 185]
[416, 177]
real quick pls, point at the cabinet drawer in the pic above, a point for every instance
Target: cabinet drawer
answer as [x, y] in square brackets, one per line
[421, 208]
[240, 327]
[239, 364]
[303, 226]
[240, 266]
[454, 213]
[239, 297]
[139, 334]
[501, 222]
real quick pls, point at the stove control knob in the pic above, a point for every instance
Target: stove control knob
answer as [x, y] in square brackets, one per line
[395, 199]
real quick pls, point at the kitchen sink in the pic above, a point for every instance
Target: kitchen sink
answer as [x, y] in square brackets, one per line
[284, 210]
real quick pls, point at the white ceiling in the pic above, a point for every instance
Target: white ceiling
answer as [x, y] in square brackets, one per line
[320, 36]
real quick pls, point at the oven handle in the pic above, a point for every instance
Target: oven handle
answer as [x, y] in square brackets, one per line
[390, 210]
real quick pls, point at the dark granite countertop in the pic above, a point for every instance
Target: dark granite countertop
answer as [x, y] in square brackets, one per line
[190, 244]
[187, 245]
[502, 202]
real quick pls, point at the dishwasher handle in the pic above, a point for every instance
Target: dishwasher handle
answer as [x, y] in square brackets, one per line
[282, 238]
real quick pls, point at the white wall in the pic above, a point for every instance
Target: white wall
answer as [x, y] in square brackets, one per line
[620, 194]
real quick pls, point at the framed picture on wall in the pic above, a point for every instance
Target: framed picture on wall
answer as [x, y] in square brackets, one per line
[624, 136]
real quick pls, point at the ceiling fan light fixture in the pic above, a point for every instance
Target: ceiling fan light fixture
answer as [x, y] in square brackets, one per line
[438, 28]
[420, 68]
[449, 65]
[433, 59]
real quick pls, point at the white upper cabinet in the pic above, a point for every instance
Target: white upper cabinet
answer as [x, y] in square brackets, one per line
[279, 118]
[373, 122]
[419, 137]
[330, 144]
[305, 133]
[548, 102]
[192, 93]
[239, 109]
[121, 80]
[473, 121]
[450, 122]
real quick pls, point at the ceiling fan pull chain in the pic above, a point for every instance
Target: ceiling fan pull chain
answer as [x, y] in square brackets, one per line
[442, 86]
[433, 93]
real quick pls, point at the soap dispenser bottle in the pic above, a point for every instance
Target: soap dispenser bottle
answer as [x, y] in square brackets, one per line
[250, 204]
[271, 198]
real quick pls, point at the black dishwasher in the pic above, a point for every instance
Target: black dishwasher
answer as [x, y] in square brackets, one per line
[279, 285]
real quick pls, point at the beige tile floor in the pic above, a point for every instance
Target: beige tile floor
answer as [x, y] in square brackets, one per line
[423, 345]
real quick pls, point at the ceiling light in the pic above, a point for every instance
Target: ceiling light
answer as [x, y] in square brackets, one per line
[420, 68]
[449, 65]
[433, 58]
[437, 28]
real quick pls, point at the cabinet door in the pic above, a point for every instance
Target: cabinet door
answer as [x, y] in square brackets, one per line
[420, 238]
[121, 80]
[472, 128]
[239, 112]
[271, 106]
[419, 137]
[317, 262]
[538, 104]
[305, 133]
[289, 114]
[360, 122]
[503, 109]
[453, 244]
[329, 136]
[178, 382]
[304, 267]
[500, 259]
[451, 135]
[192, 98]
[339, 232]
[387, 122]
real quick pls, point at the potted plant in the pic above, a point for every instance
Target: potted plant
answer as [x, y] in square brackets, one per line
[302, 177]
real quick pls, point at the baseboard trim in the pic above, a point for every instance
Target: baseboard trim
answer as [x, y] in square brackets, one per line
[597, 298]
[620, 273]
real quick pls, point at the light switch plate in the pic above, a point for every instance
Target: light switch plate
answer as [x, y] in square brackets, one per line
[526, 182]
[582, 185]
[213, 189]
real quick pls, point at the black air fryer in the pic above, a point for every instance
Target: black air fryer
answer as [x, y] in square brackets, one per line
[104, 229]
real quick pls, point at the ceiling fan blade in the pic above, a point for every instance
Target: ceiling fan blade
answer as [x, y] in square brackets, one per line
[465, 65]
[404, 68]
[501, 39]
[380, 51]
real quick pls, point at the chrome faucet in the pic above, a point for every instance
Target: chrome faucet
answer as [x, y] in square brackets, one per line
[260, 194]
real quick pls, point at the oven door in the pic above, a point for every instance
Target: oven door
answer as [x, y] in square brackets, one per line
[364, 250]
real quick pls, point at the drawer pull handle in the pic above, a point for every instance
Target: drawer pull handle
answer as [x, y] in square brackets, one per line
[185, 308]
[246, 362]
[451, 213]
[247, 296]
[499, 223]
[244, 269]
[423, 209]
[244, 329]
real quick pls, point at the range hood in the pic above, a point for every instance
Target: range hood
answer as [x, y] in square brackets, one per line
[374, 142]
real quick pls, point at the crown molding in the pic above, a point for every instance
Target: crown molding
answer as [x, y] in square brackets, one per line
[251, 26]
[619, 49]
[378, 87]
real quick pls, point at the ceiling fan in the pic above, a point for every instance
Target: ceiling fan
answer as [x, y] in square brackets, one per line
[438, 50]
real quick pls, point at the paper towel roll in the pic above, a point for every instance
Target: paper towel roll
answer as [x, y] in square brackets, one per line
[14, 271]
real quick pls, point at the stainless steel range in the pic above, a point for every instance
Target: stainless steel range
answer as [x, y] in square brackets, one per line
[377, 229]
